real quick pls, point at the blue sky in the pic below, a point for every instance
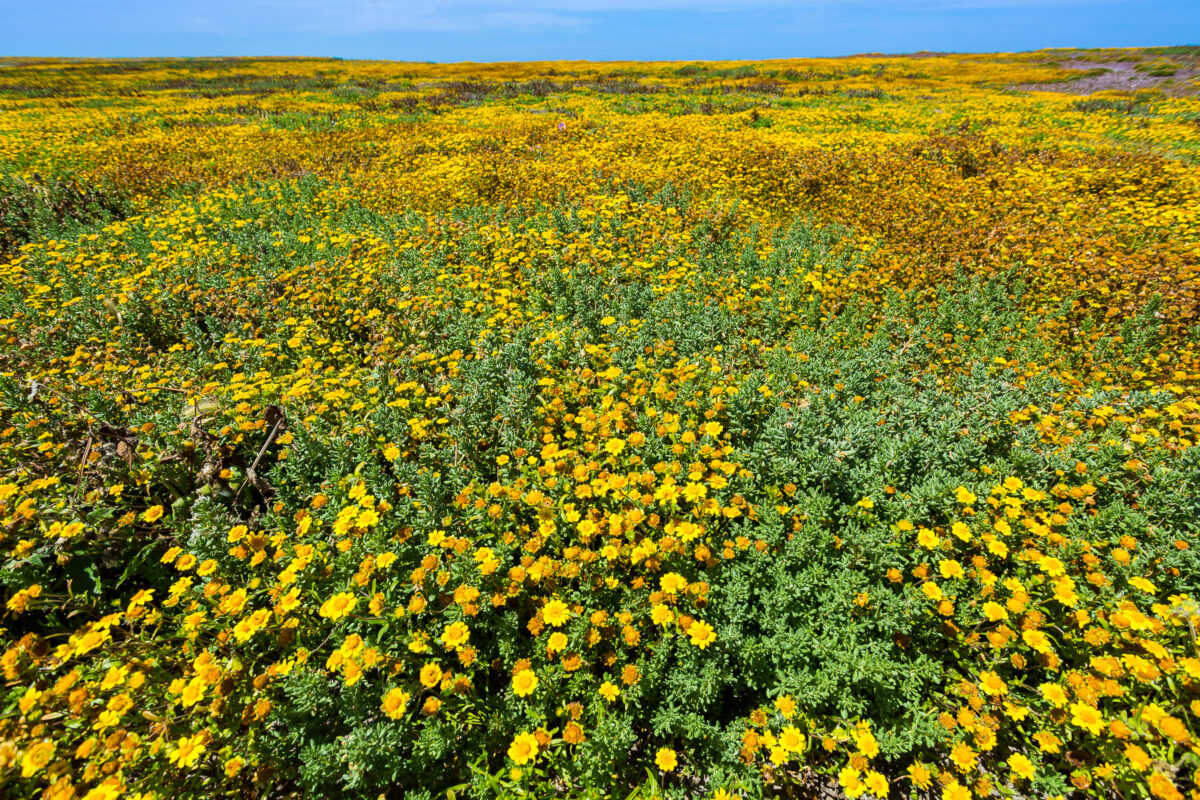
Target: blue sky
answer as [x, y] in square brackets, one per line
[498, 30]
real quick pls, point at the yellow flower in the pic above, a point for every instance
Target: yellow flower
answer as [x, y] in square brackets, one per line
[1086, 717]
[1054, 694]
[661, 615]
[786, 706]
[524, 748]
[994, 611]
[919, 774]
[1047, 742]
[614, 446]
[962, 756]
[791, 739]
[1142, 584]
[672, 583]
[702, 634]
[866, 503]
[36, 757]
[524, 683]
[876, 783]
[950, 569]
[1021, 766]
[1037, 640]
[152, 514]
[955, 791]
[556, 613]
[1138, 758]
[665, 759]
[187, 751]
[609, 691]
[992, 684]
[338, 606]
[395, 702]
[431, 675]
[455, 635]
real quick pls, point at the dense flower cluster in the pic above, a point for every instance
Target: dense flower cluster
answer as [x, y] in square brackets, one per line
[711, 430]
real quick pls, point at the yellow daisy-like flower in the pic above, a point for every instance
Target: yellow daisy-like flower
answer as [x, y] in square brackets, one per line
[791, 739]
[963, 756]
[1037, 640]
[661, 615]
[556, 613]
[992, 684]
[876, 783]
[920, 775]
[1021, 766]
[928, 539]
[36, 757]
[665, 759]
[338, 606]
[524, 748]
[955, 791]
[672, 583]
[1087, 717]
[395, 702]
[702, 634]
[431, 675]
[524, 683]
[1053, 694]
[994, 611]
[152, 514]
[187, 751]
[455, 635]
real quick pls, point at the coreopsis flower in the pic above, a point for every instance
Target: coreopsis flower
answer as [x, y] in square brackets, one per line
[701, 634]
[524, 748]
[573, 733]
[556, 613]
[430, 675]
[455, 635]
[395, 702]
[920, 775]
[791, 740]
[338, 606]
[1087, 717]
[187, 751]
[524, 683]
[963, 756]
[1021, 766]
[36, 756]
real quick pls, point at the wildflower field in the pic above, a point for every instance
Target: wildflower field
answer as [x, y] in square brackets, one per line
[809, 428]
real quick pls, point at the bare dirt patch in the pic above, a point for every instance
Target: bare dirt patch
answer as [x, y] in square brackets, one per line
[1119, 76]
